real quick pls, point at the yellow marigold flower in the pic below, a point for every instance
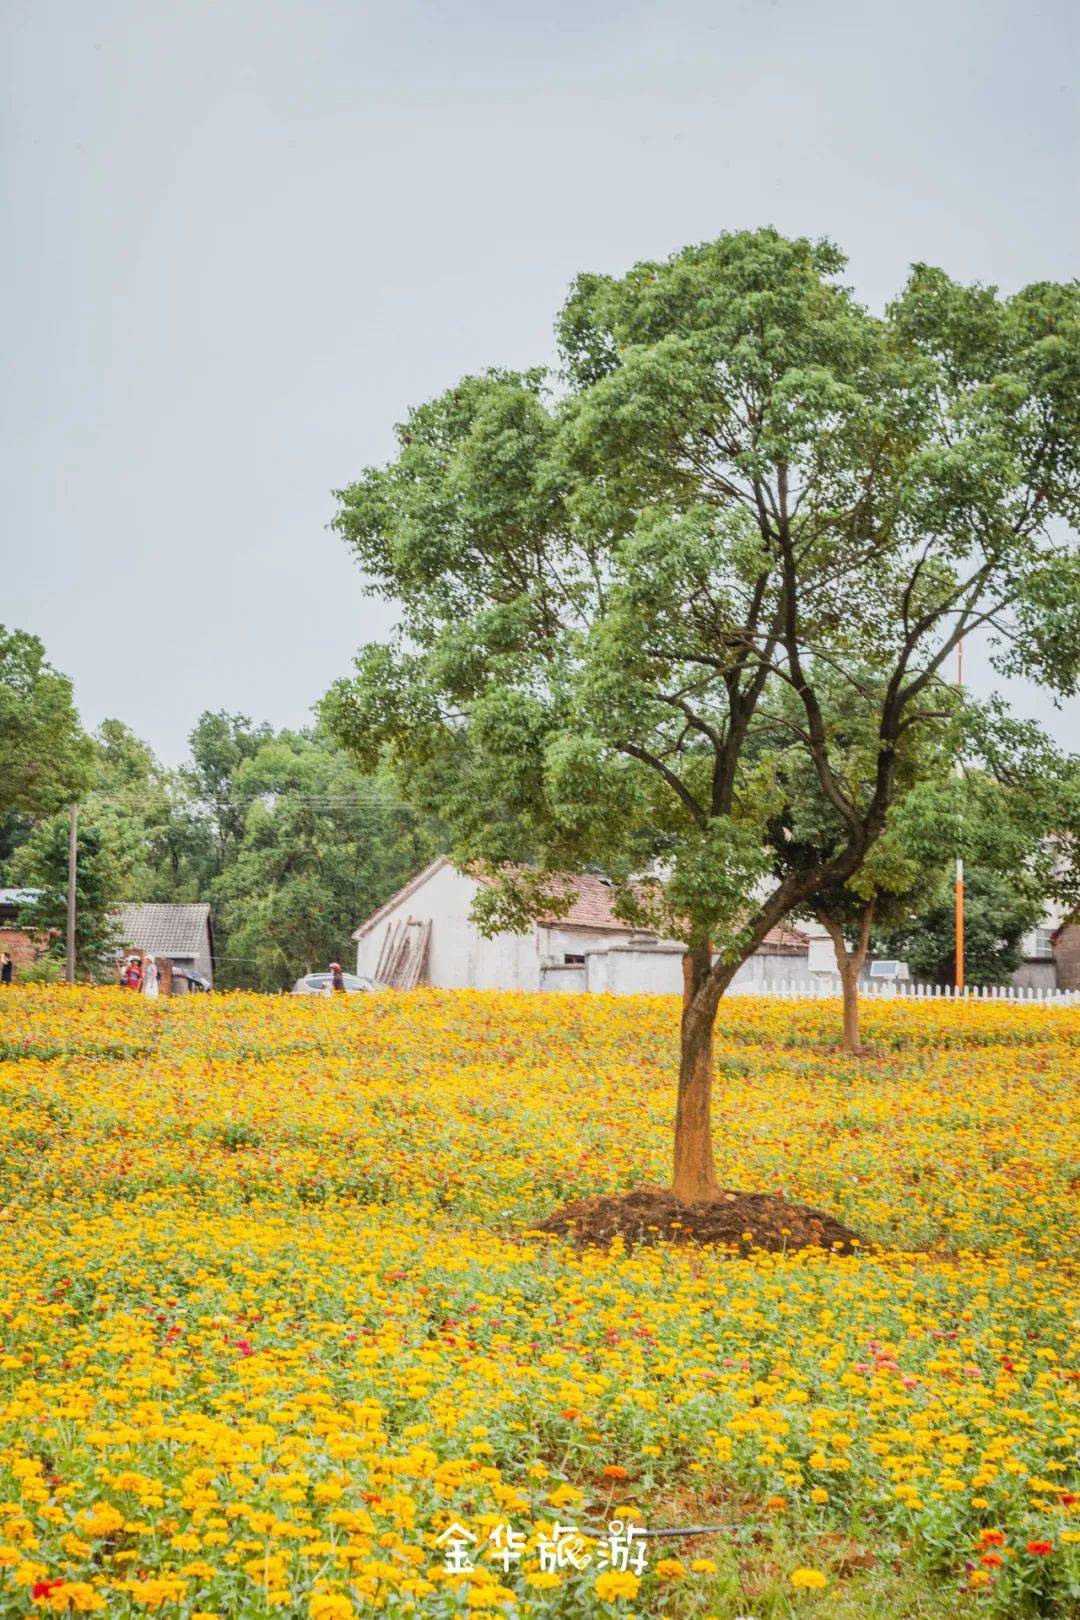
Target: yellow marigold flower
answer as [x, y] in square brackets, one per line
[616, 1583]
[670, 1569]
[79, 1596]
[566, 1496]
[330, 1606]
[101, 1520]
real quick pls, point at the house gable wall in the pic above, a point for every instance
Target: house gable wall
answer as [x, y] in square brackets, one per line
[458, 957]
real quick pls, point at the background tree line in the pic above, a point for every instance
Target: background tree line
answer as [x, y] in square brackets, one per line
[291, 845]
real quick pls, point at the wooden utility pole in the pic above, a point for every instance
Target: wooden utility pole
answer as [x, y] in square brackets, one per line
[73, 847]
[959, 951]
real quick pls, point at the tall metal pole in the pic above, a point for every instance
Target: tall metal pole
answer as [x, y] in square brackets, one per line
[73, 846]
[959, 952]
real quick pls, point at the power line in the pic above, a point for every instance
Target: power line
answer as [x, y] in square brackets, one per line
[286, 795]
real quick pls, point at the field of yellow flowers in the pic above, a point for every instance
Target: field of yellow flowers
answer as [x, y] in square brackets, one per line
[275, 1339]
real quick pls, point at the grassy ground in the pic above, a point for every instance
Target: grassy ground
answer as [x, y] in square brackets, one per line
[271, 1319]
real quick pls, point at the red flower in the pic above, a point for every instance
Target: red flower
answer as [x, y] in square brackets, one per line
[1039, 1549]
[44, 1589]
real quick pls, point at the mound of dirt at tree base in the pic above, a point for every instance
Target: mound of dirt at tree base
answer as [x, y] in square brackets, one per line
[737, 1220]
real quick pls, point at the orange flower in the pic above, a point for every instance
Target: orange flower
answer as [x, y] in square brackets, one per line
[992, 1560]
[613, 1471]
[1039, 1549]
[992, 1538]
[570, 1413]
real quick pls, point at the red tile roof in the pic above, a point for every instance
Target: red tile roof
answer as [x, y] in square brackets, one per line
[591, 905]
[785, 941]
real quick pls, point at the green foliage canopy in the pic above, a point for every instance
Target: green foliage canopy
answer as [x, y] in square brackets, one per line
[321, 848]
[42, 864]
[45, 758]
[999, 909]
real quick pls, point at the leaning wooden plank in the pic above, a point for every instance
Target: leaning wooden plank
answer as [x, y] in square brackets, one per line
[385, 973]
[384, 956]
[420, 953]
[409, 968]
[399, 957]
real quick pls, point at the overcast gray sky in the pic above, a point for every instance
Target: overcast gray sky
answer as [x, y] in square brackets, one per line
[240, 240]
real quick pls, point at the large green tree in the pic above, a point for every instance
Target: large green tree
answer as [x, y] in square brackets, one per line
[1011, 817]
[46, 760]
[167, 839]
[219, 744]
[321, 848]
[743, 479]
[806, 831]
[1008, 815]
[41, 865]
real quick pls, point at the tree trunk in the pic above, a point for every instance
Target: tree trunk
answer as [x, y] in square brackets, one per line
[849, 965]
[849, 980]
[695, 1170]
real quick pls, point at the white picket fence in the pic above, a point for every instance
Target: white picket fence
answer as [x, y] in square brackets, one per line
[904, 989]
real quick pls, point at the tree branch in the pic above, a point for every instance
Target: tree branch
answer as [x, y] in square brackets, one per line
[677, 786]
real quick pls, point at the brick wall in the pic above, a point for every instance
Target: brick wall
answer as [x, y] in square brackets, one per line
[23, 947]
[1067, 956]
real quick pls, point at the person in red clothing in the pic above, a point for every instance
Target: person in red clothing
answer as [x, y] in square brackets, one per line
[132, 978]
[337, 978]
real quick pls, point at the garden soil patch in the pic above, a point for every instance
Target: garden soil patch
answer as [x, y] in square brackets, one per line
[737, 1220]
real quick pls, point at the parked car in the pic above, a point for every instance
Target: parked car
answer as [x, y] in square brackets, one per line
[315, 984]
[195, 982]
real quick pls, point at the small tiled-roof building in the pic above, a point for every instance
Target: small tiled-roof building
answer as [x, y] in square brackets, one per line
[181, 934]
[587, 947]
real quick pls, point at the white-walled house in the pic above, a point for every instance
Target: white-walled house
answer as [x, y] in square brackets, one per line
[587, 949]
[592, 949]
